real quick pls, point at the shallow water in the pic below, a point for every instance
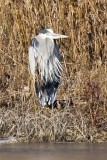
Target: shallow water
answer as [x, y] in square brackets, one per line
[53, 151]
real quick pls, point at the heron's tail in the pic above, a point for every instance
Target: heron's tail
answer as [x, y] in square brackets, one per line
[46, 93]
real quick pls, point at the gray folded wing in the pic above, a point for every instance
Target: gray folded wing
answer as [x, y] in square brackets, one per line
[49, 68]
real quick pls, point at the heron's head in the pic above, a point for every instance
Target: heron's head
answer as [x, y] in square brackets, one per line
[48, 33]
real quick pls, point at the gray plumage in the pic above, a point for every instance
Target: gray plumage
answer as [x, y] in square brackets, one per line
[48, 67]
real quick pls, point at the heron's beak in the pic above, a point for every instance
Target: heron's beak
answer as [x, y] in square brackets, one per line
[56, 36]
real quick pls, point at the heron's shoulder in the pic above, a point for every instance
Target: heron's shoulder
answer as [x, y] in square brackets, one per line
[34, 42]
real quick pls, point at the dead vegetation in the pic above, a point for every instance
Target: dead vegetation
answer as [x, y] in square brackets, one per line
[84, 78]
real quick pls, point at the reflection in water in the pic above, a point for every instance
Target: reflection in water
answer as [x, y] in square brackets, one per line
[53, 151]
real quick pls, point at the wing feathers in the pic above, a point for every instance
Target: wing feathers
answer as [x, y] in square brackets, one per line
[49, 69]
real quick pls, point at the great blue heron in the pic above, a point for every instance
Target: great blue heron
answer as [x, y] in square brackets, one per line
[44, 49]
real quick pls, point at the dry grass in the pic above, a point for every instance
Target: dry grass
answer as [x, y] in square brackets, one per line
[84, 78]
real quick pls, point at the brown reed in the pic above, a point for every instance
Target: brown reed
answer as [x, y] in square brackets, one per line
[84, 78]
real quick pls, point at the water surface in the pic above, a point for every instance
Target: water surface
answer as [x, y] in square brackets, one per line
[53, 151]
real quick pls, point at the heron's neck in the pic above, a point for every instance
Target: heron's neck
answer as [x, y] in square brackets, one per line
[41, 36]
